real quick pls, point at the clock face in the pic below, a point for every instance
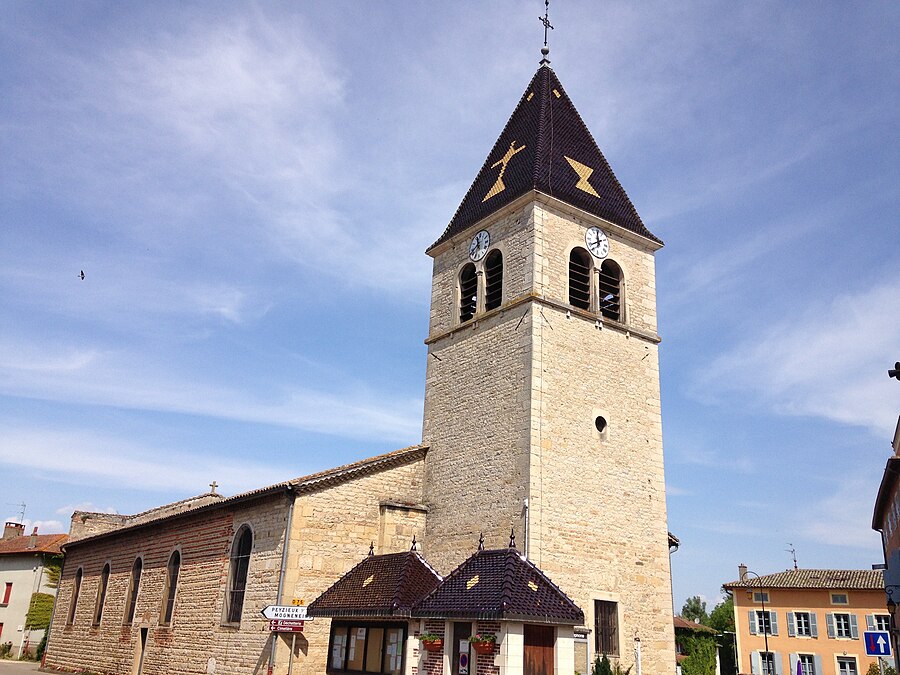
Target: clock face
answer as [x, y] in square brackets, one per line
[479, 245]
[597, 242]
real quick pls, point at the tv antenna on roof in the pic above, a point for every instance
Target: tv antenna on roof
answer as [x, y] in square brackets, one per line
[21, 511]
[793, 553]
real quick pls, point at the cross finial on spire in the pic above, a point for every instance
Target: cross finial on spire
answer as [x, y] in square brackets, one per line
[481, 542]
[512, 537]
[413, 544]
[545, 50]
[213, 486]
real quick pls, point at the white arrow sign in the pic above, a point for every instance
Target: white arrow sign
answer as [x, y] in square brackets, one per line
[296, 612]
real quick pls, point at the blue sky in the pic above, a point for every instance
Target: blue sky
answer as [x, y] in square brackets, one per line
[249, 189]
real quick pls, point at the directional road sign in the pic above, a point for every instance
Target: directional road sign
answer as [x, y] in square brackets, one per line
[285, 626]
[878, 643]
[295, 612]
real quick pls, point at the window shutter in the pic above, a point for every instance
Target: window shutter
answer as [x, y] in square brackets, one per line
[754, 663]
[752, 619]
[776, 656]
[813, 625]
[818, 666]
[791, 631]
[829, 621]
[792, 660]
[854, 629]
[870, 622]
[773, 617]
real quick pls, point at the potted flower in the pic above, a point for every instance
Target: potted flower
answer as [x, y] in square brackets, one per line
[483, 642]
[432, 642]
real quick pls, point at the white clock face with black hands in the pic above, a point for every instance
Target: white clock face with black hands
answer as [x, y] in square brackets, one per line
[597, 242]
[479, 245]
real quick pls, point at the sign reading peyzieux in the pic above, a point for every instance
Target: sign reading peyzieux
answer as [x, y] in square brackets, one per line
[878, 643]
[296, 612]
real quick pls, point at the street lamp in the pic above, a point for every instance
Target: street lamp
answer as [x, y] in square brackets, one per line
[762, 600]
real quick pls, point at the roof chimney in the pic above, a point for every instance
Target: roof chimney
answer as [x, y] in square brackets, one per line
[12, 529]
[33, 542]
[742, 571]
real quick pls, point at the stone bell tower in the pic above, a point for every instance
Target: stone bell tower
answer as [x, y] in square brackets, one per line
[542, 406]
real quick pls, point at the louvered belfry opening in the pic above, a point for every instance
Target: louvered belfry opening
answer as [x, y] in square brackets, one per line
[611, 290]
[580, 278]
[493, 278]
[468, 292]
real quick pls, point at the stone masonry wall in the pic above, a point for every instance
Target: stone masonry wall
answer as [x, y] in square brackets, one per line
[197, 632]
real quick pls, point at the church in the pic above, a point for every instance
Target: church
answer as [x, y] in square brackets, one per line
[529, 519]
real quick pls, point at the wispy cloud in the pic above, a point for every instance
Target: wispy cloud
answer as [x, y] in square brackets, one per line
[829, 360]
[841, 518]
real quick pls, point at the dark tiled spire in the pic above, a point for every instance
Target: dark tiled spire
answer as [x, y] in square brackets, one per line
[546, 146]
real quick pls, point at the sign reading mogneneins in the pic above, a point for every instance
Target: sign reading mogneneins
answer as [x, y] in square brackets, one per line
[296, 612]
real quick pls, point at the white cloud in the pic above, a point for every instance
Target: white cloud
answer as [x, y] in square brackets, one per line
[69, 509]
[842, 518]
[828, 360]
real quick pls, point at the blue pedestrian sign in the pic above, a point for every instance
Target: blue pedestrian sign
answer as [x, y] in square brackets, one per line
[878, 643]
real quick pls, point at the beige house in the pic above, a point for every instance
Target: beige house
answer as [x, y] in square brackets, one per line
[542, 417]
[26, 564]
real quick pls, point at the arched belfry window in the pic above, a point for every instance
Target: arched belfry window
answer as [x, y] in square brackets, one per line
[172, 570]
[610, 291]
[493, 280]
[580, 278]
[237, 576]
[468, 292]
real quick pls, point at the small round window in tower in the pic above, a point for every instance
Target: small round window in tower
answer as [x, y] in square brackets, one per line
[600, 423]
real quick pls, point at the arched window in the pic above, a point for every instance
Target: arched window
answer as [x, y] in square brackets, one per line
[493, 279]
[468, 292]
[133, 588]
[611, 290]
[237, 577]
[171, 587]
[76, 589]
[580, 278]
[101, 594]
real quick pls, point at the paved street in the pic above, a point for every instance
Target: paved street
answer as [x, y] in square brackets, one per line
[16, 667]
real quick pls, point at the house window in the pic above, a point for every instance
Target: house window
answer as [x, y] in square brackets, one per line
[881, 622]
[366, 647]
[767, 663]
[840, 599]
[802, 624]
[101, 594]
[766, 623]
[172, 570]
[842, 625]
[237, 576]
[846, 665]
[468, 292]
[580, 278]
[7, 591]
[133, 588]
[493, 280]
[611, 290]
[606, 627]
[760, 596]
[76, 589]
[807, 664]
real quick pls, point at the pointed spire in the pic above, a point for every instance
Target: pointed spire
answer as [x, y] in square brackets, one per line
[481, 542]
[413, 544]
[372, 548]
[512, 537]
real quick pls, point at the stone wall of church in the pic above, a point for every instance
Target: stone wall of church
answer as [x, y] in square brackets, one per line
[197, 632]
[331, 532]
[598, 523]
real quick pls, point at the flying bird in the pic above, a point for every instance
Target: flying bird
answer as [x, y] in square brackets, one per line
[82, 275]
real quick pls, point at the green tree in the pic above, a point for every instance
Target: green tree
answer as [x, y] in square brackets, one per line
[722, 616]
[874, 670]
[601, 666]
[694, 609]
[701, 651]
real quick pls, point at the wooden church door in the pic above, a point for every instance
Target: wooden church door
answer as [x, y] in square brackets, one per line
[539, 649]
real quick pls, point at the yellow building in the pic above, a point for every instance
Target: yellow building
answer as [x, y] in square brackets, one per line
[807, 621]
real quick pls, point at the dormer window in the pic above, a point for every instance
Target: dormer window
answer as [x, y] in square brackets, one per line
[468, 292]
[610, 298]
[580, 278]
[493, 277]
